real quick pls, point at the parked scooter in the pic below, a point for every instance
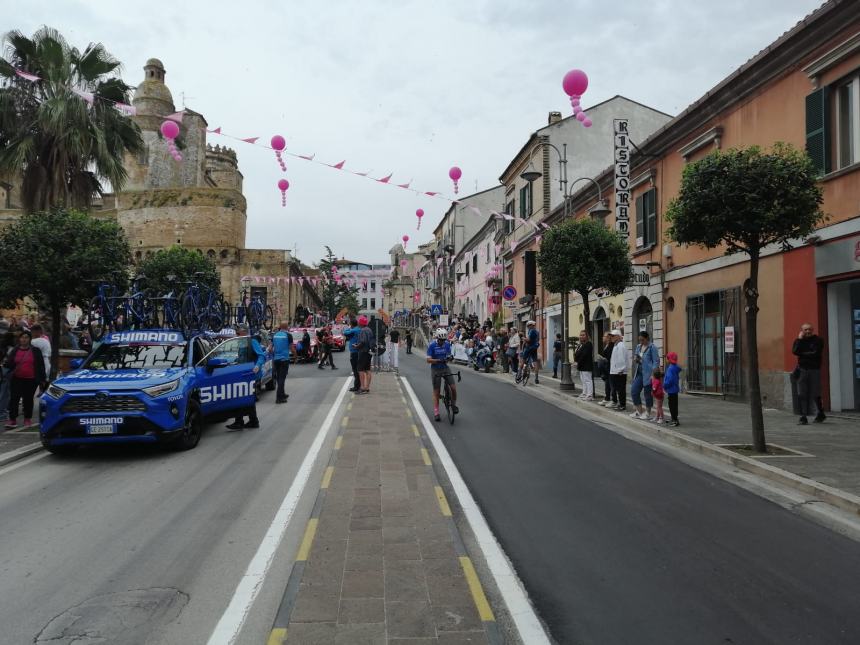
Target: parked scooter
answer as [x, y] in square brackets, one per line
[484, 358]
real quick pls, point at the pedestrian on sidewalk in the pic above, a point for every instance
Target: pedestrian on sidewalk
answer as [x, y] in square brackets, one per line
[809, 349]
[7, 342]
[351, 336]
[603, 357]
[672, 386]
[502, 335]
[658, 393]
[282, 343]
[253, 353]
[408, 341]
[27, 367]
[645, 359]
[514, 350]
[44, 345]
[618, 366]
[366, 343]
[394, 349]
[584, 357]
[556, 355]
[327, 345]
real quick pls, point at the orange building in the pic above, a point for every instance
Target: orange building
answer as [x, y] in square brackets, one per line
[803, 89]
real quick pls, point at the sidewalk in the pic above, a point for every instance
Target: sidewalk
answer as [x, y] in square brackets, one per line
[829, 451]
[381, 560]
[17, 444]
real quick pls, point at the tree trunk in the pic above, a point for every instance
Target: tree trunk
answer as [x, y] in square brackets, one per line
[586, 312]
[751, 309]
[55, 340]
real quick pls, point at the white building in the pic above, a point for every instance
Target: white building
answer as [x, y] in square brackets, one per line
[369, 279]
[478, 283]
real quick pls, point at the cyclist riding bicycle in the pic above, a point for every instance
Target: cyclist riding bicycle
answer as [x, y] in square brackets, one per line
[530, 351]
[438, 353]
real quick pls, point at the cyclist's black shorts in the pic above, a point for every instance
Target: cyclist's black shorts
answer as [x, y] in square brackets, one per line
[437, 375]
[530, 352]
[363, 361]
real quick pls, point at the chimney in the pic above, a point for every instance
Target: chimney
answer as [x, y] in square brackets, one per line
[554, 117]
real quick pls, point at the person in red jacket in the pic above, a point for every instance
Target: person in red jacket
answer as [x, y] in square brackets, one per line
[27, 370]
[658, 393]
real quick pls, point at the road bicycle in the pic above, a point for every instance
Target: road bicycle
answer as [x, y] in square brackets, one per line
[447, 397]
[202, 308]
[105, 309]
[524, 374]
[138, 307]
[257, 314]
[171, 305]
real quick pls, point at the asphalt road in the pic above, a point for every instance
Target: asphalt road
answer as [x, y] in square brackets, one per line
[131, 546]
[618, 544]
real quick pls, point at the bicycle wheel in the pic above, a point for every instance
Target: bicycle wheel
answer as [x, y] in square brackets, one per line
[269, 318]
[449, 404]
[96, 319]
[255, 316]
[227, 310]
[214, 318]
[526, 373]
[189, 316]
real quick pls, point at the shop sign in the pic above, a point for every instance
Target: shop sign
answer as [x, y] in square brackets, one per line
[641, 278]
[729, 340]
[840, 256]
[621, 143]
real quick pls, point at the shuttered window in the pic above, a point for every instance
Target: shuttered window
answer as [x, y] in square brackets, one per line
[646, 219]
[526, 201]
[818, 130]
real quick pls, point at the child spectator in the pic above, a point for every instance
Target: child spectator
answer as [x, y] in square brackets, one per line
[658, 393]
[672, 386]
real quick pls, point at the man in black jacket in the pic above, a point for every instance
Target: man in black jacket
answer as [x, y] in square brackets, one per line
[809, 349]
[584, 357]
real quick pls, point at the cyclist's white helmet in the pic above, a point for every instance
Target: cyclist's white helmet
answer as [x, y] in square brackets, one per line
[442, 333]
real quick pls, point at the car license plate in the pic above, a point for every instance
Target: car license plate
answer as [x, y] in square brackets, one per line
[103, 428]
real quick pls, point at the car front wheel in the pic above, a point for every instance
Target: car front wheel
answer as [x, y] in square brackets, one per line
[192, 429]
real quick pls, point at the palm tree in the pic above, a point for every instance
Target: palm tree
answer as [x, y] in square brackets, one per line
[62, 147]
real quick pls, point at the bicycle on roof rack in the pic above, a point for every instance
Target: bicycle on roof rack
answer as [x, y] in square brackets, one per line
[254, 312]
[170, 305]
[106, 309]
[202, 308]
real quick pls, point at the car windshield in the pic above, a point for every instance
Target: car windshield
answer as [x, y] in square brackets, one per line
[136, 356]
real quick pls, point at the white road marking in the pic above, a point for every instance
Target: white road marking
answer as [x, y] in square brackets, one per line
[513, 593]
[23, 462]
[231, 622]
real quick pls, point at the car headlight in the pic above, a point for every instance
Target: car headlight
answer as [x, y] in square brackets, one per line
[163, 388]
[55, 392]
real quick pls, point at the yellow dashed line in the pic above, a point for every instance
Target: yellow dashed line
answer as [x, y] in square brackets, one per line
[403, 398]
[415, 430]
[349, 407]
[344, 422]
[426, 457]
[443, 502]
[338, 442]
[327, 477]
[308, 540]
[477, 590]
[277, 637]
[409, 414]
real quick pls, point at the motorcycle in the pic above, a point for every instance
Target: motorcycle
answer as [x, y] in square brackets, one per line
[484, 358]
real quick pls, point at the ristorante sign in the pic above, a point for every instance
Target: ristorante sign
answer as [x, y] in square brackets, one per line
[621, 142]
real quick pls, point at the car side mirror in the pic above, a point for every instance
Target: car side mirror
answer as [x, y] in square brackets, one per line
[76, 363]
[215, 362]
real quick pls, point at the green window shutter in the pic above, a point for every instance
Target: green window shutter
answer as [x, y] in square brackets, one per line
[651, 224]
[818, 129]
[640, 219]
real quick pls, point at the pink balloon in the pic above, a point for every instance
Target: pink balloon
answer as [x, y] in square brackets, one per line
[580, 116]
[420, 213]
[586, 122]
[574, 102]
[455, 173]
[405, 238]
[575, 82]
[170, 130]
[283, 184]
[278, 142]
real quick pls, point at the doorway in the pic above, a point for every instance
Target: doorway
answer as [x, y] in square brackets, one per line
[643, 317]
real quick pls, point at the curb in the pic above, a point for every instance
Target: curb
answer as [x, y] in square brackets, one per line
[20, 453]
[840, 499]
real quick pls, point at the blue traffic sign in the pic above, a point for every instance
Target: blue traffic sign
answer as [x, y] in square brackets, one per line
[509, 292]
[435, 310]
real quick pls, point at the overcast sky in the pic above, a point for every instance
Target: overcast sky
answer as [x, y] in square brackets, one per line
[403, 86]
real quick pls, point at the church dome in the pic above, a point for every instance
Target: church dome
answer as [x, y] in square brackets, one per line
[152, 96]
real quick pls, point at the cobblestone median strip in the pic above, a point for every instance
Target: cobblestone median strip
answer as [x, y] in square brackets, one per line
[381, 560]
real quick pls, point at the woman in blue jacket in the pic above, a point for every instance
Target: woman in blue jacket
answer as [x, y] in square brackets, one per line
[672, 386]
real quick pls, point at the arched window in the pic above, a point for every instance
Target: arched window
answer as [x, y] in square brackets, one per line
[224, 254]
[211, 254]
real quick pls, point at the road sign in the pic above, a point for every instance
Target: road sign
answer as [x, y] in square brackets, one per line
[435, 310]
[509, 292]
[729, 340]
[443, 320]
[509, 304]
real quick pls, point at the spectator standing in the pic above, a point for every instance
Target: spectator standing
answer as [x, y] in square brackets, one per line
[351, 336]
[659, 394]
[672, 386]
[584, 357]
[408, 341]
[603, 358]
[44, 345]
[618, 365]
[394, 349]
[645, 359]
[282, 343]
[366, 343]
[502, 342]
[532, 344]
[514, 350]
[326, 345]
[556, 355]
[7, 342]
[809, 349]
[258, 356]
[27, 372]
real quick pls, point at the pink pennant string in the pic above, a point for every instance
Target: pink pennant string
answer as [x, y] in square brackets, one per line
[406, 185]
[89, 97]
[339, 165]
[27, 77]
[216, 130]
[385, 180]
[250, 140]
[474, 209]
[308, 157]
[176, 116]
[430, 193]
[128, 110]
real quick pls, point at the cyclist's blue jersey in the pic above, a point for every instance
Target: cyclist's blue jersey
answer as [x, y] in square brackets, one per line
[443, 351]
[534, 339]
[281, 342]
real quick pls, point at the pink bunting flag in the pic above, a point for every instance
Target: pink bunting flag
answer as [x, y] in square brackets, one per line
[128, 110]
[27, 77]
[406, 185]
[339, 165]
[507, 216]
[308, 157]
[498, 248]
[89, 97]
[216, 130]
[250, 140]
[362, 174]
[385, 180]
[475, 210]
[539, 238]
[431, 193]
[176, 116]
[513, 245]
